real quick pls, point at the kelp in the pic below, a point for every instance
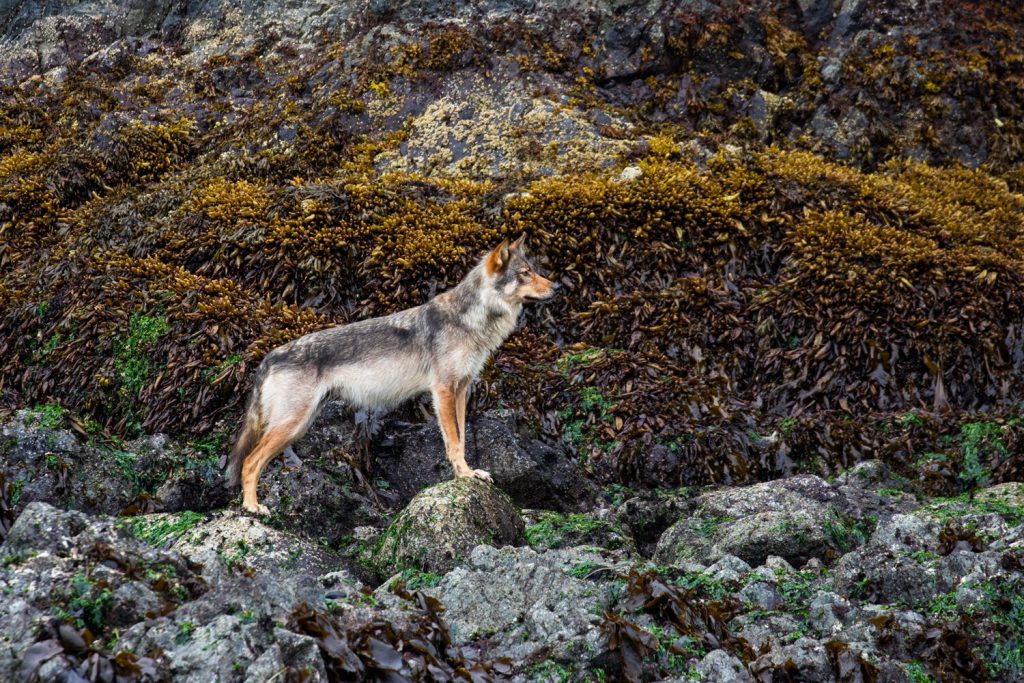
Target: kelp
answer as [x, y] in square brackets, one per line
[383, 650]
[76, 648]
[701, 621]
[7, 512]
[722, 317]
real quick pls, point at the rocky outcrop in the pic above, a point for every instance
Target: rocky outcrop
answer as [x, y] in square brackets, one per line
[918, 586]
[796, 519]
[442, 525]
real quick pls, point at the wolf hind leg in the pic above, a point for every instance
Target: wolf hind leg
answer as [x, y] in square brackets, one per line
[291, 458]
[275, 440]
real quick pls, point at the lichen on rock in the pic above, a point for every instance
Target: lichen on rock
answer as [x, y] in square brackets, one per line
[440, 527]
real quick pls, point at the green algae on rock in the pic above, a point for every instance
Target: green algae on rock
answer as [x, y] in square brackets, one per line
[441, 526]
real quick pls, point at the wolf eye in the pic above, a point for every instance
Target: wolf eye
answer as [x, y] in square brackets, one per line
[524, 273]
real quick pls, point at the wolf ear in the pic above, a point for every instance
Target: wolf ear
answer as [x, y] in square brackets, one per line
[519, 242]
[497, 260]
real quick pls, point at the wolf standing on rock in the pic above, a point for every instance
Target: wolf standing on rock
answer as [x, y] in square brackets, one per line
[438, 347]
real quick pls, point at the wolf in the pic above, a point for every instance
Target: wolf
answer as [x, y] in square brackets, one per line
[439, 347]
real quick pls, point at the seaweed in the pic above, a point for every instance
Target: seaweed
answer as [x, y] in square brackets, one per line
[382, 650]
[76, 648]
[703, 622]
[727, 292]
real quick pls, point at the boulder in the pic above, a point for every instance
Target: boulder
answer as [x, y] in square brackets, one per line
[721, 667]
[442, 525]
[534, 474]
[90, 571]
[806, 655]
[527, 602]
[796, 519]
[546, 529]
[230, 541]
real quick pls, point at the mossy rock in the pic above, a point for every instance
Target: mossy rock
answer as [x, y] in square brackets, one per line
[443, 524]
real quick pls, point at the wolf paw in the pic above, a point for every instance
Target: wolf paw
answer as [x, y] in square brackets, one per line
[256, 509]
[481, 474]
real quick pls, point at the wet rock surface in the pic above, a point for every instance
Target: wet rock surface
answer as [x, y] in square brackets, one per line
[854, 575]
[532, 472]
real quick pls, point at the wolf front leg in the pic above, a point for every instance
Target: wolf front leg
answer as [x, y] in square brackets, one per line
[446, 406]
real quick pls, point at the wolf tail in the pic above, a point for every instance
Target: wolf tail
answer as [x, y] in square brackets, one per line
[248, 435]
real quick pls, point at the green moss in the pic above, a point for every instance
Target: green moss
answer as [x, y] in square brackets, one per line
[981, 443]
[49, 416]
[87, 603]
[414, 579]
[162, 532]
[916, 673]
[185, 631]
[555, 530]
[845, 534]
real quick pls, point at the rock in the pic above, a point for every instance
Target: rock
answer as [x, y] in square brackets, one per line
[318, 494]
[807, 656]
[728, 568]
[828, 612]
[528, 602]
[907, 533]
[471, 129]
[133, 602]
[531, 472]
[630, 173]
[233, 541]
[57, 466]
[764, 631]
[719, 666]
[816, 14]
[1009, 494]
[230, 628]
[90, 569]
[875, 575]
[761, 594]
[442, 525]
[647, 515]
[766, 110]
[796, 519]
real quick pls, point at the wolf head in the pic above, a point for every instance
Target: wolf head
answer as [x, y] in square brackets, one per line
[512, 275]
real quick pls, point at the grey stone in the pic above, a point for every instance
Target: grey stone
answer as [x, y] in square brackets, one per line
[719, 666]
[808, 656]
[728, 568]
[526, 601]
[630, 173]
[133, 602]
[760, 594]
[828, 612]
[232, 541]
[442, 525]
[787, 518]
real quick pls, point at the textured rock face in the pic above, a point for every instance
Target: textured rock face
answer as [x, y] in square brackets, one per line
[442, 525]
[475, 124]
[533, 473]
[219, 594]
[91, 572]
[790, 519]
[528, 602]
